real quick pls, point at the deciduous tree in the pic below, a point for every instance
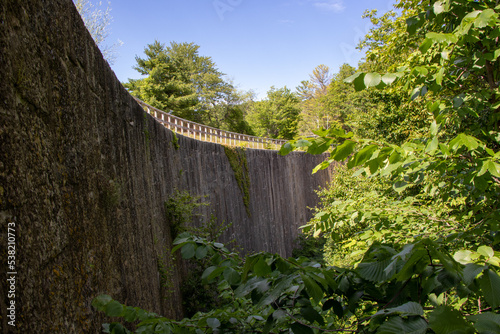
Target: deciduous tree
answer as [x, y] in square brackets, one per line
[98, 23]
[277, 116]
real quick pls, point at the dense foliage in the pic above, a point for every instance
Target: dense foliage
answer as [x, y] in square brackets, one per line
[420, 222]
[179, 79]
[277, 116]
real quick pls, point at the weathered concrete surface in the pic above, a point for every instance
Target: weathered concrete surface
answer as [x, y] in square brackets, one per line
[84, 175]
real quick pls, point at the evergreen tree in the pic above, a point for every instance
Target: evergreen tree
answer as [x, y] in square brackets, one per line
[179, 80]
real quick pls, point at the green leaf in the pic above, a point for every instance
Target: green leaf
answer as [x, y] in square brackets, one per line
[212, 272]
[485, 18]
[358, 79]
[434, 128]
[130, 314]
[311, 315]
[486, 323]
[432, 146]
[337, 307]
[352, 77]
[464, 140]
[342, 151]
[400, 186]
[201, 252]
[252, 284]
[269, 324]
[324, 165]
[302, 143]
[249, 264]
[361, 156]
[117, 328]
[231, 276]
[286, 149]
[389, 78]
[463, 256]
[312, 288]
[490, 285]
[372, 79]
[412, 24]
[445, 320]
[374, 271]
[188, 251]
[398, 325]
[471, 272]
[298, 328]
[486, 251]
[426, 44]
[261, 268]
[100, 301]
[491, 167]
[319, 145]
[405, 310]
[442, 37]
[113, 309]
[338, 132]
[274, 293]
[439, 76]
[421, 70]
[213, 323]
[438, 7]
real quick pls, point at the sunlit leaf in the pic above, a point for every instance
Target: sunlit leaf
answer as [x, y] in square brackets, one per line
[362, 156]
[285, 149]
[485, 18]
[342, 151]
[438, 7]
[372, 79]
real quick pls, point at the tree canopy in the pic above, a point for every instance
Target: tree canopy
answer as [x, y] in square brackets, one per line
[277, 116]
[180, 80]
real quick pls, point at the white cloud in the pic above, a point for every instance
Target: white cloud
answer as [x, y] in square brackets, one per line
[336, 6]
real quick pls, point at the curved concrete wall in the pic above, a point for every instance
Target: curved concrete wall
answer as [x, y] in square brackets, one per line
[84, 174]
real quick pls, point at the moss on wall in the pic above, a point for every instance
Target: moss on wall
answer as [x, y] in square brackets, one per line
[238, 161]
[175, 141]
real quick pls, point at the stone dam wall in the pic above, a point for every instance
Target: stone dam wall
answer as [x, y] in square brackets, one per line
[85, 173]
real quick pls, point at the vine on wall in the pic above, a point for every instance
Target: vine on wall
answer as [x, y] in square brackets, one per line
[238, 161]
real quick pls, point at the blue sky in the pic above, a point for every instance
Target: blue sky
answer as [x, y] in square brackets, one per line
[256, 43]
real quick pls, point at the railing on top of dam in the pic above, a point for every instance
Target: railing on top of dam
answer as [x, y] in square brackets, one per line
[207, 133]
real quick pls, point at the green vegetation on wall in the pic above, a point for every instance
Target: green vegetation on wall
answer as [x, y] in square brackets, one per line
[180, 210]
[238, 161]
[175, 140]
